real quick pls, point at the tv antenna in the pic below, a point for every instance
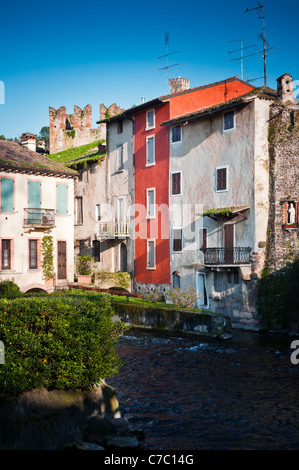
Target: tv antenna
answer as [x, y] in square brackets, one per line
[262, 17]
[167, 66]
[242, 57]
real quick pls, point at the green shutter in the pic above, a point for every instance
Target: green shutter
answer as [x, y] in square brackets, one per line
[61, 199]
[7, 194]
[34, 194]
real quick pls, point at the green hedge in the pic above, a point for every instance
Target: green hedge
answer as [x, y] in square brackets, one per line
[277, 300]
[59, 341]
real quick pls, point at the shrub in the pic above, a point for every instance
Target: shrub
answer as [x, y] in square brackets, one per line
[182, 299]
[9, 289]
[84, 265]
[62, 341]
[47, 248]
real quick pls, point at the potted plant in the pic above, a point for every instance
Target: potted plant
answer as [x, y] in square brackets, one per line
[84, 265]
[47, 260]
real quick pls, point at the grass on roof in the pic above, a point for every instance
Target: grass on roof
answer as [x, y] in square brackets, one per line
[76, 152]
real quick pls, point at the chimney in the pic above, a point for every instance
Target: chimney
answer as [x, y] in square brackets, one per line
[28, 140]
[285, 92]
[179, 84]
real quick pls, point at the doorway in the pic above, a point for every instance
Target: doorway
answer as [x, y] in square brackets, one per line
[202, 301]
[61, 260]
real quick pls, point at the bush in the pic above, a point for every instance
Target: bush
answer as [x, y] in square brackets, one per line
[9, 289]
[84, 265]
[62, 341]
[182, 299]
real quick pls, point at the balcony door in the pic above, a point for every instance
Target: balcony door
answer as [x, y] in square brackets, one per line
[61, 260]
[34, 202]
[229, 243]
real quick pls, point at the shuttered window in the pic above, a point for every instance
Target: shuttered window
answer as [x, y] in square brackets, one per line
[150, 150]
[33, 254]
[176, 133]
[202, 239]
[61, 198]
[150, 203]
[177, 239]
[96, 249]
[7, 194]
[151, 258]
[229, 120]
[221, 179]
[5, 254]
[176, 183]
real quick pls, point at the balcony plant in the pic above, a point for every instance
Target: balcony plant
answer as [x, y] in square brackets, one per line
[47, 260]
[84, 268]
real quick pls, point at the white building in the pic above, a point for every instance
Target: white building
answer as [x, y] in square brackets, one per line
[36, 199]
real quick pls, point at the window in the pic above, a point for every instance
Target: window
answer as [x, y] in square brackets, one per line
[96, 250]
[120, 127]
[150, 119]
[6, 254]
[177, 236]
[150, 150]
[7, 194]
[79, 210]
[33, 254]
[150, 203]
[120, 157]
[221, 179]
[229, 121]
[98, 212]
[176, 280]
[151, 255]
[176, 134]
[176, 183]
[202, 239]
[61, 198]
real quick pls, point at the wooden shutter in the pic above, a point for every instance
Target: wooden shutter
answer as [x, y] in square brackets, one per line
[177, 240]
[176, 183]
[7, 194]
[32, 254]
[62, 198]
[61, 259]
[6, 254]
[202, 238]
[221, 179]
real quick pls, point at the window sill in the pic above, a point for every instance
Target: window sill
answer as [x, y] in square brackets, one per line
[150, 164]
[151, 268]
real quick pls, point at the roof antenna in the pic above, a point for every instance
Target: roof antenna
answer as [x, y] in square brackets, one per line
[242, 57]
[262, 17]
[167, 66]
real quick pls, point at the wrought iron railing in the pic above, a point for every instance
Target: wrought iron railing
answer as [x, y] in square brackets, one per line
[39, 217]
[113, 229]
[226, 256]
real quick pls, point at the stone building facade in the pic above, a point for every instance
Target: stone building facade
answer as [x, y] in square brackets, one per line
[72, 130]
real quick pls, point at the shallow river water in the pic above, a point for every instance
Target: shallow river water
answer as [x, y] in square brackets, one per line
[190, 393]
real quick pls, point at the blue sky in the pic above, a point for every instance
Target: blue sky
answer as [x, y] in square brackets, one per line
[74, 53]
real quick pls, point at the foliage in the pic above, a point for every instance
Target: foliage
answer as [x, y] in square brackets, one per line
[9, 289]
[44, 134]
[47, 257]
[84, 265]
[62, 341]
[74, 152]
[182, 299]
[277, 299]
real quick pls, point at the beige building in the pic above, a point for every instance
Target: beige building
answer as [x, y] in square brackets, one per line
[36, 199]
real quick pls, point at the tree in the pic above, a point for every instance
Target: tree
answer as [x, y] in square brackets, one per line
[44, 135]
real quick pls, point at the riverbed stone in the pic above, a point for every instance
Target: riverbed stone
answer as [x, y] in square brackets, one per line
[123, 442]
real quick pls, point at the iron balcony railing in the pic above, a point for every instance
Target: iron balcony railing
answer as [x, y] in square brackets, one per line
[39, 217]
[113, 229]
[227, 256]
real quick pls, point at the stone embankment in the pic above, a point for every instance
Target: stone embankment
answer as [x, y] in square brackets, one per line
[65, 420]
[201, 323]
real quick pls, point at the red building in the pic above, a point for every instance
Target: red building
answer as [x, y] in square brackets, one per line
[151, 168]
[151, 142]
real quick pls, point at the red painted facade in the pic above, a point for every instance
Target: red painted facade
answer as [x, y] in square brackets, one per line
[157, 175]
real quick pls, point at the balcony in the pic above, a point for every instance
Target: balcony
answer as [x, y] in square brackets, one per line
[226, 256]
[39, 218]
[113, 229]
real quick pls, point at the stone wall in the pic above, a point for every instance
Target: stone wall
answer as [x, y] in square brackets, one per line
[283, 242]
